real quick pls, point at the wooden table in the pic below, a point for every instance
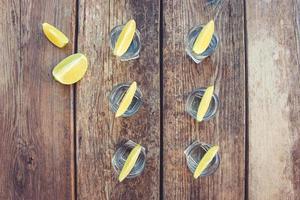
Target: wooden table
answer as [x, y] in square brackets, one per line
[57, 141]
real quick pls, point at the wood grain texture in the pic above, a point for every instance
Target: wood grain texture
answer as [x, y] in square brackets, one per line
[274, 99]
[182, 75]
[35, 111]
[98, 133]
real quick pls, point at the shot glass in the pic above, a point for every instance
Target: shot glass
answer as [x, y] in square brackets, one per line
[117, 95]
[193, 101]
[121, 155]
[194, 154]
[190, 40]
[134, 48]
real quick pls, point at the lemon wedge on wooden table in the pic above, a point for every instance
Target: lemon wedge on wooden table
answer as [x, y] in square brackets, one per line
[206, 159]
[127, 99]
[205, 102]
[55, 36]
[130, 162]
[125, 38]
[204, 38]
[71, 69]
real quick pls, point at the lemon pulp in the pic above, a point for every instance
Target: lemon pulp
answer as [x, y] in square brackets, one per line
[204, 38]
[127, 99]
[71, 69]
[125, 38]
[130, 162]
[54, 35]
[204, 103]
[206, 159]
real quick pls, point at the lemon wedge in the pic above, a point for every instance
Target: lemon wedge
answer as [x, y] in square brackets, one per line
[55, 36]
[204, 103]
[125, 38]
[127, 99]
[204, 38]
[130, 162]
[206, 159]
[71, 69]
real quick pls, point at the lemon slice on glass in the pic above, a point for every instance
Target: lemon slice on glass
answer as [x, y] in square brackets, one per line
[127, 99]
[204, 38]
[125, 38]
[55, 36]
[71, 69]
[130, 162]
[204, 103]
[206, 159]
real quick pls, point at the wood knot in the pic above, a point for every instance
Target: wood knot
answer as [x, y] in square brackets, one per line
[24, 166]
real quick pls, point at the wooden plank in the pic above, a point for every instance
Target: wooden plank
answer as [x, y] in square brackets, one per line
[181, 76]
[35, 111]
[274, 99]
[98, 133]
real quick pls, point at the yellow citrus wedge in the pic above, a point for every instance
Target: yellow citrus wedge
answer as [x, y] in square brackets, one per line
[71, 69]
[125, 38]
[204, 103]
[130, 162]
[127, 99]
[204, 38]
[206, 159]
[55, 36]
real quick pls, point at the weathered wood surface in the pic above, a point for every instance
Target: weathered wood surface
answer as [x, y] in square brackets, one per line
[98, 132]
[35, 111]
[274, 99]
[182, 75]
[37, 149]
